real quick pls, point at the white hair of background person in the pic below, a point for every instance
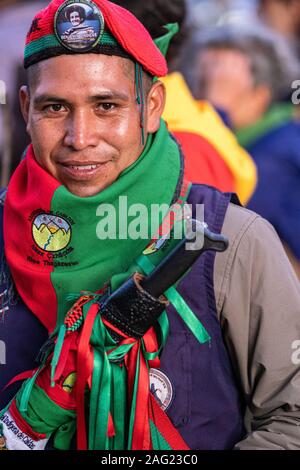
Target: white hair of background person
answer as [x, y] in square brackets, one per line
[273, 61]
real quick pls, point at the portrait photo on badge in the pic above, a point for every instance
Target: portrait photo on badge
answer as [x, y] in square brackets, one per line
[79, 25]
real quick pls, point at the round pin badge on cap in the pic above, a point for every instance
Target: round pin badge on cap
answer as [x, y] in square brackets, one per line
[79, 25]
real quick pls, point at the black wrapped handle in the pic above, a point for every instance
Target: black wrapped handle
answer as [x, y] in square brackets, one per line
[181, 259]
[136, 305]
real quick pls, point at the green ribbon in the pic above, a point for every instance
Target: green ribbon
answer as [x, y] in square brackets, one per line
[109, 385]
[57, 352]
[103, 400]
[109, 389]
[119, 405]
[45, 416]
[26, 391]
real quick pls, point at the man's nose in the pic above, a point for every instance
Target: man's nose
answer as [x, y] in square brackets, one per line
[81, 131]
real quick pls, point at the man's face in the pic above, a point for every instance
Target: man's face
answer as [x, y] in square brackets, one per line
[84, 121]
[226, 80]
[75, 18]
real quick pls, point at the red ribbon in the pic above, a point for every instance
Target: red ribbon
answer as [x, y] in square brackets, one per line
[165, 426]
[85, 362]
[24, 375]
[141, 439]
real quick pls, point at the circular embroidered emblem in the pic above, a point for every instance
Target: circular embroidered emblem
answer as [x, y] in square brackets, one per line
[161, 388]
[69, 382]
[79, 25]
[51, 233]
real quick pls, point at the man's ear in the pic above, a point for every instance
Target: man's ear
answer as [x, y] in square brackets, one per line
[155, 106]
[24, 103]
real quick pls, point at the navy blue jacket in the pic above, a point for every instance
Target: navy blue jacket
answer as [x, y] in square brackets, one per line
[277, 197]
[206, 406]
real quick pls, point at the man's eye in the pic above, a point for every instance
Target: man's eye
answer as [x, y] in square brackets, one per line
[54, 108]
[105, 106]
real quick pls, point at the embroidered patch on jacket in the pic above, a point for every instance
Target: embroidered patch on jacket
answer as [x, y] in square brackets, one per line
[79, 26]
[161, 388]
[51, 233]
[15, 439]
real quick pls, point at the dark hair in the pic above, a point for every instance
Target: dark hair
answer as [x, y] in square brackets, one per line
[154, 14]
[74, 8]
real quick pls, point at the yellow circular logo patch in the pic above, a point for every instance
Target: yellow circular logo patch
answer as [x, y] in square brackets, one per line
[51, 233]
[69, 382]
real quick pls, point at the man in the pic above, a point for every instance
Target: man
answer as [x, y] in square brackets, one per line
[213, 155]
[96, 138]
[256, 69]
[83, 32]
[75, 15]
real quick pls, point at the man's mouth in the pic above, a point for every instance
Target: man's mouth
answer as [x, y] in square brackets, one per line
[84, 167]
[82, 172]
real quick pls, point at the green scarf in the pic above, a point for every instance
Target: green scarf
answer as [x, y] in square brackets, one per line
[45, 279]
[276, 116]
[110, 427]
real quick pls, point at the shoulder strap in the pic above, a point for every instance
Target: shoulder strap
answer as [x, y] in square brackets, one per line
[2, 196]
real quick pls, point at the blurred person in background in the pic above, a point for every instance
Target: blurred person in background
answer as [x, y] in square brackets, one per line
[284, 17]
[15, 20]
[213, 154]
[245, 74]
[206, 14]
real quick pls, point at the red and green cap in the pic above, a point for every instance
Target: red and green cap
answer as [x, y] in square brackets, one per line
[98, 26]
